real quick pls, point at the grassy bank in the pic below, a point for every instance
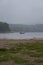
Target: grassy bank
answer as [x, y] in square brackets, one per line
[21, 52]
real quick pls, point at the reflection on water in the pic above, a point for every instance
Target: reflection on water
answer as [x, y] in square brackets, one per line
[21, 36]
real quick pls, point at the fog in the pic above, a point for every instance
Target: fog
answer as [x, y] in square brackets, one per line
[21, 11]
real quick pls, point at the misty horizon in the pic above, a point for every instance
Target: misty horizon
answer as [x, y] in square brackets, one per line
[29, 12]
[22, 23]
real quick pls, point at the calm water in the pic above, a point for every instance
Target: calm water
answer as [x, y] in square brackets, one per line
[21, 36]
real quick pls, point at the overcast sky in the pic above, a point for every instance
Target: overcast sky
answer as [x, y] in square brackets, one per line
[21, 11]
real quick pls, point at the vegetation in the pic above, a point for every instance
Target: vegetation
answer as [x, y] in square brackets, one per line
[39, 61]
[26, 28]
[23, 53]
[4, 27]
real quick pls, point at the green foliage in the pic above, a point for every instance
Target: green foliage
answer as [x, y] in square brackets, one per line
[29, 64]
[20, 60]
[39, 61]
[3, 49]
[4, 27]
[23, 53]
[5, 57]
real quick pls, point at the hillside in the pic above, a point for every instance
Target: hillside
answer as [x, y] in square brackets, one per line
[4, 27]
[26, 28]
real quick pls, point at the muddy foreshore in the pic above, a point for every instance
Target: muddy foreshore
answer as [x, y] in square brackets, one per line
[9, 42]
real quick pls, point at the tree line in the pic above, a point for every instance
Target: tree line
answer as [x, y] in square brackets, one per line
[26, 28]
[4, 27]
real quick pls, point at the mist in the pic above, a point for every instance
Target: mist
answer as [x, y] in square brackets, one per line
[21, 11]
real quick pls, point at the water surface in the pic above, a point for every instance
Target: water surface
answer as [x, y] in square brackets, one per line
[29, 35]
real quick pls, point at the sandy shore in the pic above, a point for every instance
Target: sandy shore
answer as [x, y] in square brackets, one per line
[9, 42]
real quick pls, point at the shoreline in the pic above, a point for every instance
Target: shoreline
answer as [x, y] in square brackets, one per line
[34, 38]
[10, 42]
